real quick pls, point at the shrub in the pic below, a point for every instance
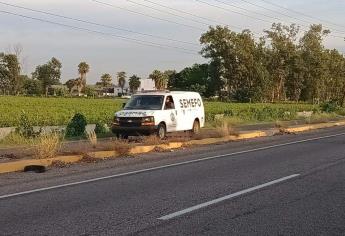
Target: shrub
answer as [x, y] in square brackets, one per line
[76, 127]
[25, 127]
[329, 107]
[101, 128]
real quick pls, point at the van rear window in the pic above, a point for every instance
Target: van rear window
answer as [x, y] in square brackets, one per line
[145, 102]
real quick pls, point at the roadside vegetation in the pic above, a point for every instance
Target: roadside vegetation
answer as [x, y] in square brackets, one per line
[246, 80]
[59, 111]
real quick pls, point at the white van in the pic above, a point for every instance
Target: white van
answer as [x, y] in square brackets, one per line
[160, 113]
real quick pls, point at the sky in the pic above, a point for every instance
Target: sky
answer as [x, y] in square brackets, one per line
[126, 35]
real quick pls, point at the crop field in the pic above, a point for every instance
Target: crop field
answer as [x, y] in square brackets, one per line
[58, 111]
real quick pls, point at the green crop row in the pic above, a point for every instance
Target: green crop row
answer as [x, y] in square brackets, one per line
[58, 111]
[257, 111]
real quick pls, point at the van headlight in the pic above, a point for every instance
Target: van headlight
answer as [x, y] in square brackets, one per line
[148, 121]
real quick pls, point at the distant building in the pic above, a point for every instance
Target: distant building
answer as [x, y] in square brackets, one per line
[114, 91]
[147, 84]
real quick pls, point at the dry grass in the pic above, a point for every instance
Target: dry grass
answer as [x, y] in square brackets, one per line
[280, 124]
[92, 137]
[60, 164]
[182, 138]
[152, 140]
[9, 156]
[320, 118]
[225, 128]
[14, 139]
[122, 147]
[160, 149]
[47, 145]
[89, 159]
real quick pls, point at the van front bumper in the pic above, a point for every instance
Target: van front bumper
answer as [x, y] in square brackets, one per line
[140, 130]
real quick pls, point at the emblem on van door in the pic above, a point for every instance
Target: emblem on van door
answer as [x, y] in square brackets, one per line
[172, 116]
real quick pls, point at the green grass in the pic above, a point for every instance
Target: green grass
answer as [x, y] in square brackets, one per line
[58, 111]
[253, 112]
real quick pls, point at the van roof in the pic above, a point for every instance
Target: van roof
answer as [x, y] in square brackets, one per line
[165, 93]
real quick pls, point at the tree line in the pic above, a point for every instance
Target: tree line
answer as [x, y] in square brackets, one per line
[12, 82]
[286, 64]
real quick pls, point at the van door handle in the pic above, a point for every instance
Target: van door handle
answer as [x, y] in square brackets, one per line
[175, 112]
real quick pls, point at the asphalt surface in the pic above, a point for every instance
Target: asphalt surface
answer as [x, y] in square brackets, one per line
[311, 202]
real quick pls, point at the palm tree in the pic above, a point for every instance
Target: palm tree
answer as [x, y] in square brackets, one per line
[83, 69]
[121, 77]
[160, 79]
[134, 83]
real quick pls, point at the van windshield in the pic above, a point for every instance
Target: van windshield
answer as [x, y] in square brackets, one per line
[145, 102]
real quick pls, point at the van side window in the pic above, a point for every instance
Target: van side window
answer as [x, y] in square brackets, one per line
[169, 103]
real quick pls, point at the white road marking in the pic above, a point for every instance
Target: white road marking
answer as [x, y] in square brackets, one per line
[221, 199]
[165, 166]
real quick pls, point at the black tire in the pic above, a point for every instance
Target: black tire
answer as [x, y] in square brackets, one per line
[161, 131]
[196, 127]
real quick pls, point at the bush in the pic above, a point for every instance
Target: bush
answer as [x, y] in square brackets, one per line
[101, 128]
[76, 126]
[25, 127]
[329, 107]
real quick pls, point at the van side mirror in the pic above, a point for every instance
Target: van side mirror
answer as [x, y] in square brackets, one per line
[123, 105]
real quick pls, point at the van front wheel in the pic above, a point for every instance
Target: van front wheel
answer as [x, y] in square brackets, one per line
[161, 131]
[196, 127]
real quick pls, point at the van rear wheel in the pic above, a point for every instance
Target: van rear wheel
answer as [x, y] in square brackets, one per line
[161, 131]
[196, 127]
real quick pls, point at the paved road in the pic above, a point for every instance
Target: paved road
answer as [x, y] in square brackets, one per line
[268, 186]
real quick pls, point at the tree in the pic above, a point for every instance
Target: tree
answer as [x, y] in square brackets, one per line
[195, 78]
[160, 78]
[70, 84]
[134, 83]
[335, 76]
[239, 63]
[283, 61]
[5, 82]
[121, 78]
[10, 80]
[90, 91]
[83, 69]
[17, 49]
[49, 74]
[106, 80]
[32, 87]
[312, 53]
